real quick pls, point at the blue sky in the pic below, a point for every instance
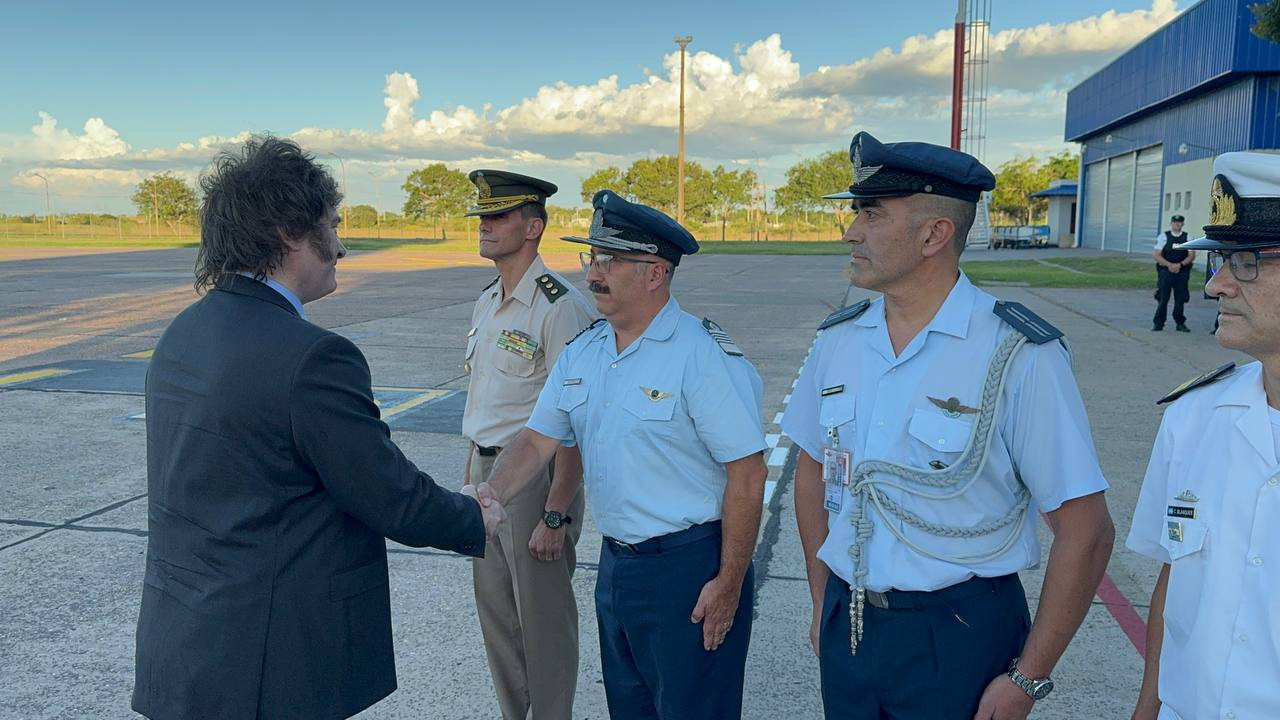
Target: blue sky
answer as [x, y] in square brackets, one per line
[158, 75]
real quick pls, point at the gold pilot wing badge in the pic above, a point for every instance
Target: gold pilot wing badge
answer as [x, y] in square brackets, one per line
[655, 395]
[952, 406]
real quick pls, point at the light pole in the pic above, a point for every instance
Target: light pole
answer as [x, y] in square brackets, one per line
[683, 42]
[346, 203]
[48, 212]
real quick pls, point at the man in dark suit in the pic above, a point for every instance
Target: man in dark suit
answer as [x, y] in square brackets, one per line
[272, 481]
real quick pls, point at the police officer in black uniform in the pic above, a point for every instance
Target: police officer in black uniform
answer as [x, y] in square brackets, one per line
[1173, 270]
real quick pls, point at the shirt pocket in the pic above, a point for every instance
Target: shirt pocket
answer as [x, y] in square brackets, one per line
[571, 398]
[941, 435]
[509, 363]
[1184, 540]
[837, 411]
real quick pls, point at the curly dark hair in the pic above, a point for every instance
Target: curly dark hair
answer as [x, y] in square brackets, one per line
[255, 196]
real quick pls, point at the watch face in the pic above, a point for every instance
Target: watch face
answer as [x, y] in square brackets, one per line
[552, 519]
[1040, 689]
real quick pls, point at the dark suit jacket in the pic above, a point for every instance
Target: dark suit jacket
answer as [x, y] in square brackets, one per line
[272, 483]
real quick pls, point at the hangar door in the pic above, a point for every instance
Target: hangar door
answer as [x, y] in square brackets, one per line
[1122, 201]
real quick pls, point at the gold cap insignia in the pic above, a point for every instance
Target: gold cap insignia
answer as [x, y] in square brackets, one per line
[1222, 203]
[482, 185]
[952, 406]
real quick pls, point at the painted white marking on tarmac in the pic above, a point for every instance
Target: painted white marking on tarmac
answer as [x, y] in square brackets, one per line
[771, 439]
[777, 419]
[778, 456]
[770, 486]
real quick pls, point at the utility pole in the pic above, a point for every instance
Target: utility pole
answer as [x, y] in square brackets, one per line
[957, 76]
[346, 204]
[48, 213]
[377, 201]
[683, 42]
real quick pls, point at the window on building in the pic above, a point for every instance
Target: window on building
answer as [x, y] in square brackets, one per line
[1168, 200]
[1177, 201]
[1073, 218]
[1188, 199]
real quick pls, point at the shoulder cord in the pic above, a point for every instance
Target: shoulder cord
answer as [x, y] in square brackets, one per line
[947, 483]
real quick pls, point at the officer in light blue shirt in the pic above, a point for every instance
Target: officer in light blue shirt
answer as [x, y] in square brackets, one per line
[667, 413]
[935, 424]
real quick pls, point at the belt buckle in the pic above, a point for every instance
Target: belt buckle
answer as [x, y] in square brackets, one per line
[878, 599]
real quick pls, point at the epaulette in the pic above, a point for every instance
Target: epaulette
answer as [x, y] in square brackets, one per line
[1026, 322]
[491, 283]
[845, 313]
[551, 287]
[584, 330]
[721, 337]
[1210, 377]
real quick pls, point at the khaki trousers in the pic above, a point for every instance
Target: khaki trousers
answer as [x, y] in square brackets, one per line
[527, 610]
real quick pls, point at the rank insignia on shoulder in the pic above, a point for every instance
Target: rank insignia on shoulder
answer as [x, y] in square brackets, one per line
[551, 287]
[1210, 377]
[1034, 327]
[845, 313]
[491, 283]
[584, 330]
[721, 337]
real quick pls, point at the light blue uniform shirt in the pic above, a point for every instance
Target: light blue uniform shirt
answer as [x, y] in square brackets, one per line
[655, 423]
[880, 406]
[286, 292]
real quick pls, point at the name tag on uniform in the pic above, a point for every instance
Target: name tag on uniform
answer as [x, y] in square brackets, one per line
[833, 390]
[572, 381]
[1179, 511]
[519, 343]
[836, 469]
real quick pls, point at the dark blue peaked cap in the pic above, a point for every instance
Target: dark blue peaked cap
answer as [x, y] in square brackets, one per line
[907, 168]
[631, 227]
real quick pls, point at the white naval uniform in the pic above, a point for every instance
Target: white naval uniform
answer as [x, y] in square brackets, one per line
[880, 406]
[1208, 507]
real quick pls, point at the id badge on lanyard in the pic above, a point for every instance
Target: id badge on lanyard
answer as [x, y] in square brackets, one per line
[836, 467]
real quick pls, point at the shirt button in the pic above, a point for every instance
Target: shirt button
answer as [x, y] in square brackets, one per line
[1230, 715]
[1242, 637]
[1274, 481]
[614, 366]
[1257, 560]
[942, 441]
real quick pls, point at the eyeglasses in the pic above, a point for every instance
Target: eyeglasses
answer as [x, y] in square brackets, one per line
[602, 261]
[1243, 263]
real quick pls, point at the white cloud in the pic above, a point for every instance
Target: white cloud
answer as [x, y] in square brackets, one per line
[53, 143]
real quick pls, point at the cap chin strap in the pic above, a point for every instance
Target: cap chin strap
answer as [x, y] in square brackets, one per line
[616, 243]
[933, 485]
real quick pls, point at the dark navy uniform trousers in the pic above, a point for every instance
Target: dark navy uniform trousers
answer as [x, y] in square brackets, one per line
[929, 656]
[655, 667]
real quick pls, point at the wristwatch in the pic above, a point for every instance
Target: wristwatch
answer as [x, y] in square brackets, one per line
[554, 520]
[1037, 689]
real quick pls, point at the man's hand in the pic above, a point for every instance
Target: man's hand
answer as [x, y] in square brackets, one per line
[547, 544]
[815, 629]
[490, 509]
[1002, 700]
[1173, 267]
[717, 604]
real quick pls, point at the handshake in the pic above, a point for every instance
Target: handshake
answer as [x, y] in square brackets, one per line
[490, 508]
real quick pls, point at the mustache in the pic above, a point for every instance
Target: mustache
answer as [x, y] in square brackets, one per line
[598, 288]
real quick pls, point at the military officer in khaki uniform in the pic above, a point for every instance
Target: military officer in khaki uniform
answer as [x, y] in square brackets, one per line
[521, 322]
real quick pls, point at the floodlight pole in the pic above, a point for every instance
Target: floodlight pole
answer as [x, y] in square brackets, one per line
[683, 42]
[48, 212]
[346, 203]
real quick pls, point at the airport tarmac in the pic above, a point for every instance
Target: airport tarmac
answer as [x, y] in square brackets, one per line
[75, 332]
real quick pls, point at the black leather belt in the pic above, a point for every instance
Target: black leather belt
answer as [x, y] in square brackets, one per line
[667, 542]
[488, 451]
[902, 599]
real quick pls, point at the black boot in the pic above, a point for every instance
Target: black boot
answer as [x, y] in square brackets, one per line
[1182, 327]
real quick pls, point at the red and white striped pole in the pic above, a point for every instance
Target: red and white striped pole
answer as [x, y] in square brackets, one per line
[957, 78]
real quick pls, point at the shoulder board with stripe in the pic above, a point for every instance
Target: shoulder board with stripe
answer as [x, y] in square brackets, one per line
[551, 287]
[1036, 328]
[1208, 378]
[584, 330]
[721, 337]
[491, 283]
[845, 313]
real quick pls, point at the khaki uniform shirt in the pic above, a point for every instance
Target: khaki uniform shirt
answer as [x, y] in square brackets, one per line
[513, 343]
